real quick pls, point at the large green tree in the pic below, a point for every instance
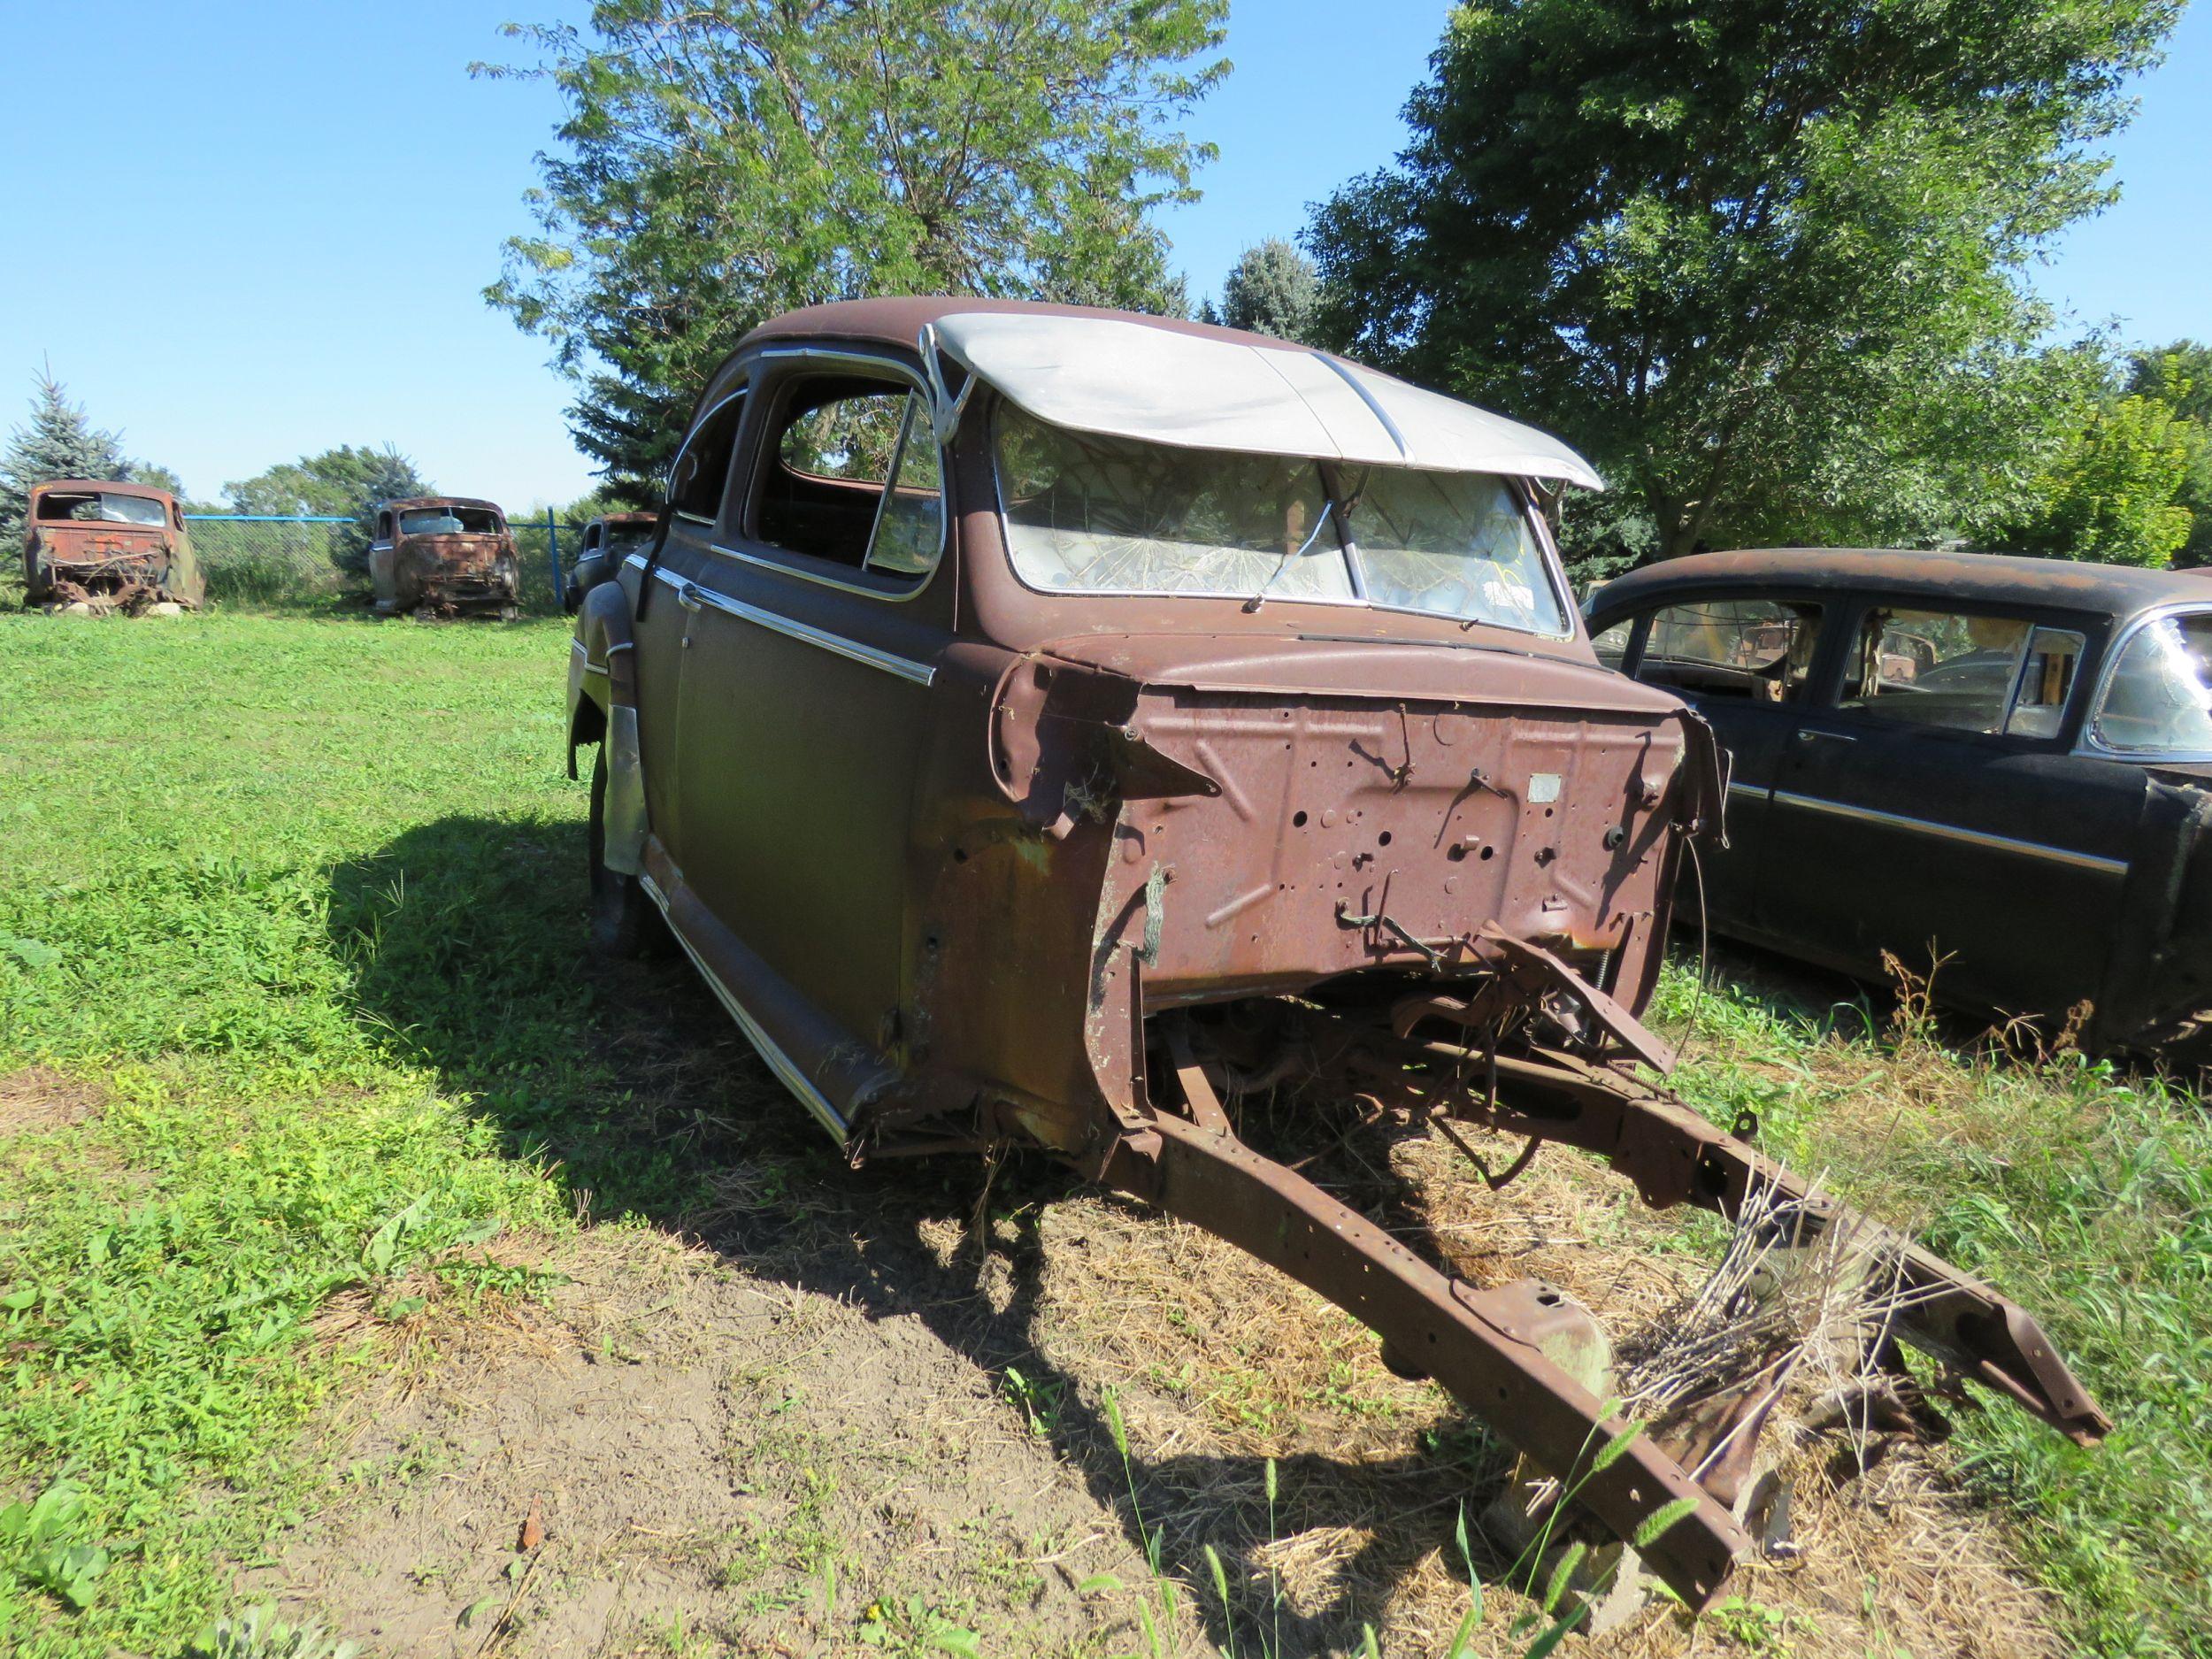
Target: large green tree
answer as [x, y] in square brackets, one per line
[1762, 259]
[2113, 492]
[725, 160]
[2180, 376]
[345, 482]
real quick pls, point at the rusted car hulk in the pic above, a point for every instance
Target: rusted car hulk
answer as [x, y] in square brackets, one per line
[1979, 754]
[107, 546]
[440, 555]
[1038, 723]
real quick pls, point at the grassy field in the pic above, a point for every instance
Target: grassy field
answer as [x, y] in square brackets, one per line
[305, 1088]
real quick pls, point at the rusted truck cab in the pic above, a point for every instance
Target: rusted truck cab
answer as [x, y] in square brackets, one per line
[443, 555]
[1048, 727]
[105, 546]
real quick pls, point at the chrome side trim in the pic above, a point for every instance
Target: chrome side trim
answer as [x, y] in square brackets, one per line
[1951, 832]
[1756, 791]
[779, 1062]
[837, 644]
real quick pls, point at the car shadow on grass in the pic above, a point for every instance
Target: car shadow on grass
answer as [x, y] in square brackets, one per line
[464, 939]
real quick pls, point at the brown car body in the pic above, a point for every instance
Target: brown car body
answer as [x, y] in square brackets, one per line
[974, 864]
[443, 553]
[76, 552]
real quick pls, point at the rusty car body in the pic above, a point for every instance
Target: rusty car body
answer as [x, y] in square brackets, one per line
[1999, 768]
[441, 555]
[106, 546]
[1038, 724]
[606, 541]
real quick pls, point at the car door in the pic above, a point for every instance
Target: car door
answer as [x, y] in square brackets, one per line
[1928, 808]
[1744, 661]
[813, 629]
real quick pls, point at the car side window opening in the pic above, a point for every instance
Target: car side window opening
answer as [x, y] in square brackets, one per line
[2160, 695]
[1612, 645]
[702, 466]
[911, 522]
[1959, 671]
[1760, 650]
[852, 476]
[384, 527]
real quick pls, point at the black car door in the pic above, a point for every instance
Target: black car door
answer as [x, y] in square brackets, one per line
[1744, 662]
[1930, 808]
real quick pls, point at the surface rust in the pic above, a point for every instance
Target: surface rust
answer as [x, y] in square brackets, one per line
[974, 864]
[102, 564]
[444, 574]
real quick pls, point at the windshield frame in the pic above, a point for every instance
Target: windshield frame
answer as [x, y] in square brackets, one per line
[2117, 647]
[1573, 624]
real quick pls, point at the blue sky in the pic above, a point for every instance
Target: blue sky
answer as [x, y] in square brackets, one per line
[288, 214]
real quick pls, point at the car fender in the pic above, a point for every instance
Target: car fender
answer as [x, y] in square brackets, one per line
[602, 709]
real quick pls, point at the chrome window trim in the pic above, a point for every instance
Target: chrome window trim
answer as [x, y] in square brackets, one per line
[2089, 744]
[837, 644]
[1554, 571]
[779, 1062]
[892, 591]
[1951, 832]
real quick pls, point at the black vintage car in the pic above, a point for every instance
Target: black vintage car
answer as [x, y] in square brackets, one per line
[1996, 768]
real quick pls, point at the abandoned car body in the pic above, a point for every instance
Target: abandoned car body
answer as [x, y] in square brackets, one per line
[1979, 755]
[442, 554]
[107, 546]
[606, 543]
[1035, 723]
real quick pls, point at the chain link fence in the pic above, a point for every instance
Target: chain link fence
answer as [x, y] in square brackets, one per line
[266, 563]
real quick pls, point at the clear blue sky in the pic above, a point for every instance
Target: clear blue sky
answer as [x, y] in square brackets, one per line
[282, 217]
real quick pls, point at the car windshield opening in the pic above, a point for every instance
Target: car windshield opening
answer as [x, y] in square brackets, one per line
[449, 521]
[104, 509]
[1095, 514]
[2160, 697]
[1454, 544]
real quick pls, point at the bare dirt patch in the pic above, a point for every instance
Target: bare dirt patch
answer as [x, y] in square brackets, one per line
[40, 1098]
[699, 1455]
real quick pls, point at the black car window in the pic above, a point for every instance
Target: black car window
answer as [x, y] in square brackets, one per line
[703, 466]
[2159, 695]
[1757, 649]
[1951, 670]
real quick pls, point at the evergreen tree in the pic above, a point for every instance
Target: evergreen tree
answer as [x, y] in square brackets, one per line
[1272, 290]
[59, 441]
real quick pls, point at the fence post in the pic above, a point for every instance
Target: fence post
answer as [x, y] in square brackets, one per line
[553, 553]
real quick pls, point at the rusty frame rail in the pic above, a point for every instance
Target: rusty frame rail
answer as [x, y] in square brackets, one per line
[1478, 1344]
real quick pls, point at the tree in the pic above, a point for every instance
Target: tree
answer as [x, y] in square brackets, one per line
[2112, 496]
[2180, 375]
[59, 441]
[1756, 259]
[725, 160]
[346, 482]
[1271, 289]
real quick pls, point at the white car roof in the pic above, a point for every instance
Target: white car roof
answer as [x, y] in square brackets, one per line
[1127, 380]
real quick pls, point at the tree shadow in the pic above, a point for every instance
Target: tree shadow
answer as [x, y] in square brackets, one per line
[465, 941]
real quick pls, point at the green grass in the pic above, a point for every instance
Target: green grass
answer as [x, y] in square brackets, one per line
[2085, 1195]
[300, 899]
[206, 832]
